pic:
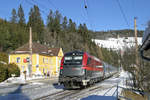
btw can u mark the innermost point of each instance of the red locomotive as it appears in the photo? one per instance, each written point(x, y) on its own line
point(80, 69)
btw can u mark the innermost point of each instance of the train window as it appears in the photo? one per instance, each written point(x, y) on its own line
point(78, 58)
point(88, 61)
point(68, 58)
point(73, 60)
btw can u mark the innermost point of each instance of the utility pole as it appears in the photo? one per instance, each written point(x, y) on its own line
point(136, 42)
point(136, 52)
point(30, 48)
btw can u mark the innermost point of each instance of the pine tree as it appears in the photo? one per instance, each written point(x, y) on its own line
point(57, 21)
point(71, 26)
point(64, 24)
point(14, 16)
point(21, 15)
point(50, 20)
point(37, 24)
point(80, 29)
point(85, 27)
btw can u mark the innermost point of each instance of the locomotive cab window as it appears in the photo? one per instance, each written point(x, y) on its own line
point(73, 60)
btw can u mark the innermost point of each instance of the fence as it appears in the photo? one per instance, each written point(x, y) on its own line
point(117, 95)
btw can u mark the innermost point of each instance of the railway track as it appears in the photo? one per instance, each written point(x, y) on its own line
point(58, 95)
point(88, 92)
point(76, 94)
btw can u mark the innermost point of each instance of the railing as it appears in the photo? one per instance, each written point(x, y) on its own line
point(117, 95)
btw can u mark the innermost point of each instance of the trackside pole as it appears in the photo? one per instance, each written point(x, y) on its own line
point(117, 92)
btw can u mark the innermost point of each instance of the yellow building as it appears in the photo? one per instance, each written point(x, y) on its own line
point(45, 61)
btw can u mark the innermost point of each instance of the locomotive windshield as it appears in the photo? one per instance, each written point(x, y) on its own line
point(73, 60)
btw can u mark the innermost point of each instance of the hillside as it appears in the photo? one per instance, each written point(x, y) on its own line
point(116, 33)
point(118, 43)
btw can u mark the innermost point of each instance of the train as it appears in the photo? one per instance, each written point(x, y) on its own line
point(79, 69)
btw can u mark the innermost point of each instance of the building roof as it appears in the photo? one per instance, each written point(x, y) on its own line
point(53, 51)
point(37, 48)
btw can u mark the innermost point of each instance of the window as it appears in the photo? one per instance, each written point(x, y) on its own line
point(68, 58)
point(45, 60)
point(18, 59)
point(73, 60)
point(78, 58)
point(88, 61)
point(50, 61)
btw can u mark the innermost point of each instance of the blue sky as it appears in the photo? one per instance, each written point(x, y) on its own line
point(100, 14)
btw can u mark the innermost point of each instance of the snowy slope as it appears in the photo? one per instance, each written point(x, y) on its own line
point(118, 43)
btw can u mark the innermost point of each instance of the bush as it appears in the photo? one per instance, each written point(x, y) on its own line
point(13, 69)
point(3, 72)
point(4, 57)
point(6, 71)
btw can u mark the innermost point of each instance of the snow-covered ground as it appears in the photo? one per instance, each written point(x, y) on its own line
point(118, 43)
point(18, 80)
point(38, 89)
point(19, 89)
point(110, 93)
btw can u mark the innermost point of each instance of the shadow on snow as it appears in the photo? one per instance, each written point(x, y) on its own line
point(15, 95)
point(96, 97)
point(57, 86)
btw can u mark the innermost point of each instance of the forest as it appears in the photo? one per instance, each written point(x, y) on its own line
point(115, 33)
point(59, 32)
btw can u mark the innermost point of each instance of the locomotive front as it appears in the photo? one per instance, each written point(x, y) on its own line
point(71, 70)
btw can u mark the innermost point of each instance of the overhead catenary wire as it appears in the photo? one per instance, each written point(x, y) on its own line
point(56, 8)
point(85, 4)
point(122, 12)
point(83, 14)
point(32, 4)
point(35, 1)
point(87, 13)
point(50, 2)
point(41, 6)
point(20, 1)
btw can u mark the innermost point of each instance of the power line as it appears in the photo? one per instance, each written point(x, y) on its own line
point(50, 2)
point(87, 13)
point(20, 1)
point(56, 8)
point(37, 3)
point(44, 7)
point(123, 14)
point(32, 4)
